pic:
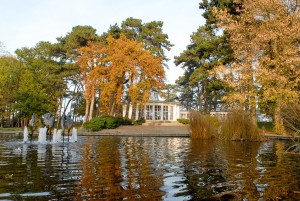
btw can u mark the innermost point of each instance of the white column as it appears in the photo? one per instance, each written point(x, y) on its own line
point(130, 111)
point(153, 112)
point(177, 113)
point(137, 112)
point(145, 112)
point(161, 111)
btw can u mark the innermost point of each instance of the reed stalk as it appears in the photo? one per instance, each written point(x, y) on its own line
point(238, 125)
point(202, 126)
point(290, 114)
point(291, 120)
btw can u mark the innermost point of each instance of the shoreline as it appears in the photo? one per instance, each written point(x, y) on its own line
point(150, 131)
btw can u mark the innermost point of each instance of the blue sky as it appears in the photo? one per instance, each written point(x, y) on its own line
point(26, 22)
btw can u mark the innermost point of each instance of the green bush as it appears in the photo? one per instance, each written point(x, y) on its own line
point(95, 124)
point(269, 126)
point(140, 121)
point(110, 122)
point(183, 121)
point(99, 123)
point(124, 121)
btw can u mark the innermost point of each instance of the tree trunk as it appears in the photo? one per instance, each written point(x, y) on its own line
point(133, 115)
point(253, 115)
point(59, 113)
point(127, 109)
point(92, 105)
point(87, 106)
point(13, 119)
point(112, 108)
point(2, 121)
point(200, 96)
point(118, 111)
point(205, 103)
point(24, 122)
point(8, 123)
point(279, 126)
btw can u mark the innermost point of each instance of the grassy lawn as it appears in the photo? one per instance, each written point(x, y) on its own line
point(10, 129)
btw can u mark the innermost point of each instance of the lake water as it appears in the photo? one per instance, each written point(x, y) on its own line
point(149, 168)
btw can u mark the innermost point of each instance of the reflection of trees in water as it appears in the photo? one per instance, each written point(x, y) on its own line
point(141, 179)
point(33, 170)
point(242, 170)
point(27, 175)
point(279, 174)
point(204, 169)
point(114, 169)
point(222, 170)
point(101, 174)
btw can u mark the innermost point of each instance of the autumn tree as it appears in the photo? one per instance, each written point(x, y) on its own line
point(93, 72)
point(150, 34)
point(66, 50)
point(118, 68)
point(265, 39)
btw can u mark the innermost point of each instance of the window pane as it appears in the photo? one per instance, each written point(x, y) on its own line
point(157, 110)
point(171, 112)
point(165, 113)
point(149, 112)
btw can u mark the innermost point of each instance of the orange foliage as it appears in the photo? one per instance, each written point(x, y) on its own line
point(265, 40)
point(118, 68)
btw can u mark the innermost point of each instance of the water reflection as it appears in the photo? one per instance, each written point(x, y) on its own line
point(101, 170)
point(116, 170)
point(279, 174)
point(136, 168)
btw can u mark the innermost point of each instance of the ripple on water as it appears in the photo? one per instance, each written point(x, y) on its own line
point(146, 168)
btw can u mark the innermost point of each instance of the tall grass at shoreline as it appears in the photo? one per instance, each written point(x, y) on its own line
point(291, 119)
point(238, 125)
point(201, 126)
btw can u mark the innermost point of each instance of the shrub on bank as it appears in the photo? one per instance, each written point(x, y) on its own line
point(99, 123)
point(140, 121)
point(124, 121)
point(183, 121)
point(94, 124)
point(268, 126)
point(110, 122)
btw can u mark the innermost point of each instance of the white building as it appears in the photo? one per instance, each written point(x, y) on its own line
point(157, 110)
